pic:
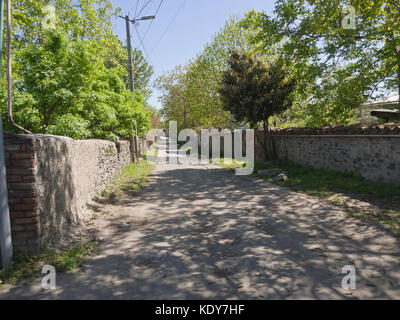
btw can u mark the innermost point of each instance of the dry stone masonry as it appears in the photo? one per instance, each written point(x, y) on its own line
point(371, 150)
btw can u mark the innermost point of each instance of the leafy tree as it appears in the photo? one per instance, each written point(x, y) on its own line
point(173, 96)
point(254, 91)
point(142, 73)
point(65, 80)
point(191, 91)
point(70, 126)
point(71, 80)
point(154, 118)
point(205, 73)
point(339, 67)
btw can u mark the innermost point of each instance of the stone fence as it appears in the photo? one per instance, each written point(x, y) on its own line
point(373, 151)
point(375, 157)
point(375, 154)
point(51, 183)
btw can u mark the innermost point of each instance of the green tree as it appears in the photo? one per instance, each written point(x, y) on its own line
point(254, 91)
point(191, 92)
point(142, 73)
point(66, 80)
point(339, 66)
point(173, 98)
point(205, 73)
point(71, 80)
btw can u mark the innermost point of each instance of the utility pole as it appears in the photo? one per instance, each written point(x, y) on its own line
point(134, 139)
point(5, 230)
point(129, 47)
point(128, 42)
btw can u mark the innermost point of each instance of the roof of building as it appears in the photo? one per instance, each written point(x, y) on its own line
point(392, 100)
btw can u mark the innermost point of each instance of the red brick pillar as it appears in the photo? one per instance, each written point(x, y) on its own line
point(22, 191)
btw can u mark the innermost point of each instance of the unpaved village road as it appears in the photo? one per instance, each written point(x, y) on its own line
point(200, 232)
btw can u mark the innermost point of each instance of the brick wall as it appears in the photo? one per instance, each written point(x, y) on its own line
point(22, 194)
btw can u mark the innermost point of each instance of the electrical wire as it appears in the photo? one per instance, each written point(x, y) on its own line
point(137, 5)
point(144, 7)
point(141, 42)
point(148, 28)
point(169, 25)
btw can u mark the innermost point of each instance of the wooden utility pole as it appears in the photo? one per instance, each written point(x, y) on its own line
point(129, 46)
point(128, 42)
point(134, 139)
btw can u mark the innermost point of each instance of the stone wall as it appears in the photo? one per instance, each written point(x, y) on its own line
point(52, 181)
point(373, 151)
point(375, 157)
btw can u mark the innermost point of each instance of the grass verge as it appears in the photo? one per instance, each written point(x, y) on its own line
point(228, 163)
point(325, 182)
point(25, 266)
point(133, 178)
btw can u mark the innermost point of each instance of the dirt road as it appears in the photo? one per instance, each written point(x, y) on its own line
point(200, 232)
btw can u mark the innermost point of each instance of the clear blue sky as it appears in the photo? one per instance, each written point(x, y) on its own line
point(195, 24)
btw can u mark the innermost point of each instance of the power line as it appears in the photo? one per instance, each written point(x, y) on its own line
point(144, 7)
point(148, 28)
point(137, 5)
point(141, 42)
point(169, 25)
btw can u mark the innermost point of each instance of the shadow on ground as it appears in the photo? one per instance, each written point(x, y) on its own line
point(200, 232)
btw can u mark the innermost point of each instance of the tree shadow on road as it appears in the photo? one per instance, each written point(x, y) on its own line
point(204, 233)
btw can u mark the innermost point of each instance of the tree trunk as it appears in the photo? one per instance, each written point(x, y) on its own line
point(269, 148)
point(398, 78)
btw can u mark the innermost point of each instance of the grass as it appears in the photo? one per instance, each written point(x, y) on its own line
point(325, 182)
point(25, 266)
point(152, 152)
point(332, 186)
point(132, 179)
point(229, 163)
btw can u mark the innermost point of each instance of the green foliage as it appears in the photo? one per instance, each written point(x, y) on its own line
point(253, 91)
point(173, 98)
point(337, 68)
point(70, 80)
point(70, 126)
point(142, 73)
point(26, 266)
point(192, 90)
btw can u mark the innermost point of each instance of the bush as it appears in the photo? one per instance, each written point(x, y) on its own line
point(71, 126)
